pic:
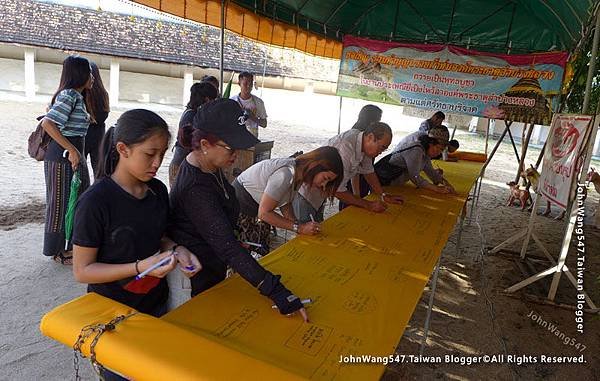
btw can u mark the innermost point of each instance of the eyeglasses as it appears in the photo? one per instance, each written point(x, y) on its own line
point(229, 149)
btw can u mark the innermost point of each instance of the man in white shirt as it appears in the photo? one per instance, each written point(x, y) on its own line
point(357, 150)
point(253, 105)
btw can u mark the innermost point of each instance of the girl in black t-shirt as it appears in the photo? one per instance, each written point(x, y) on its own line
point(120, 222)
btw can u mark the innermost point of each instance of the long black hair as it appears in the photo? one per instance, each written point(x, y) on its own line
point(210, 79)
point(367, 115)
point(200, 93)
point(75, 74)
point(98, 95)
point(133, 127)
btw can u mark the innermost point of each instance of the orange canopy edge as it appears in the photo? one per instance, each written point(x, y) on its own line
point(250, 25)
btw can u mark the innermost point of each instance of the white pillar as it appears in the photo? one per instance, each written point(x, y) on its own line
point(597, 149)
point(537, 134)
point(188, 81)
point(29, 73)
point(113, 94)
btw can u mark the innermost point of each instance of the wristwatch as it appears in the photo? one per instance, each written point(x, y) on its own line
point(295, 227)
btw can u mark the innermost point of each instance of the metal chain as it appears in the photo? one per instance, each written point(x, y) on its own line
point(93, 331)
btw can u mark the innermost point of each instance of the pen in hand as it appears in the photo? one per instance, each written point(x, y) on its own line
point(162, 262)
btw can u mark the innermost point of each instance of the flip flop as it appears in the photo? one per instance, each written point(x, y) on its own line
point(63, 260)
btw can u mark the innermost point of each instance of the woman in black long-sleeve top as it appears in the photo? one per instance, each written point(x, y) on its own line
point(98, 99)
point(200, 93)
point(204, 208)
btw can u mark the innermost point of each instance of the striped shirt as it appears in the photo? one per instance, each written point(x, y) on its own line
point(69, 113)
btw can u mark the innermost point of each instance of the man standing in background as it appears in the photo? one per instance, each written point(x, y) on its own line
point(253, 105)
point(435, 121)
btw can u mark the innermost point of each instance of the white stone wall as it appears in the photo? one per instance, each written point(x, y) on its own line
point(13, 75)
point(150, 88)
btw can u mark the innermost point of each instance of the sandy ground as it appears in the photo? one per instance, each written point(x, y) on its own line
point(471, 316)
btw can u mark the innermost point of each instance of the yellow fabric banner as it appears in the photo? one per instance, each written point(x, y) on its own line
point(365, 274)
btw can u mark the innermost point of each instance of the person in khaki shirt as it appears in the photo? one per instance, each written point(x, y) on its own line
point(357, 150)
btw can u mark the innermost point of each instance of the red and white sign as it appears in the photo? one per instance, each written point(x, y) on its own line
point(563, 148)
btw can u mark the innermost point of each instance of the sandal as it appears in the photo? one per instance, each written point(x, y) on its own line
point(63, 260)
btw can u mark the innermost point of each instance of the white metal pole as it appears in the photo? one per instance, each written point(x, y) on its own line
point(430, 307)
point(530, 226)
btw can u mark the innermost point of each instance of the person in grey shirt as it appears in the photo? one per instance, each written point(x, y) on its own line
point(357, 149)
point(435, 121)
point(411, 156)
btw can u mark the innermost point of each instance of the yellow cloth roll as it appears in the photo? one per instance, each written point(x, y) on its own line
point(365, 274)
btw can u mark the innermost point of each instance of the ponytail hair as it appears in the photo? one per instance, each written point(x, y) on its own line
point(133, 127)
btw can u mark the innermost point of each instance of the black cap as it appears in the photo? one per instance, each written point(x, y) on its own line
point(225, 119)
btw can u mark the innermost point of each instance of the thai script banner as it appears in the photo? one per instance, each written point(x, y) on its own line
point(564, 145)
point(521, 88)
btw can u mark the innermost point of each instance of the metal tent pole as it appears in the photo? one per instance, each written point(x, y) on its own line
point(487, 136)
point(514, 145)
point(524, 147)
point(430, 307)
point(340, 116)
point(262, 86)
point(222, 53)
point(592, 67)
point(487, 162)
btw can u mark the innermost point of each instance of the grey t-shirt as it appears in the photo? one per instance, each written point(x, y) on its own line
point(275, 177)
point(410, 155)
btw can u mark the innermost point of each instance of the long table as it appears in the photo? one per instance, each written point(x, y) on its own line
point(365, 274)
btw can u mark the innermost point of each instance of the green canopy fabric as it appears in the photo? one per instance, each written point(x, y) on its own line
point(515, 26)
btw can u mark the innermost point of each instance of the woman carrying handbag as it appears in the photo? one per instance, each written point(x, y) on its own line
point(66, 122)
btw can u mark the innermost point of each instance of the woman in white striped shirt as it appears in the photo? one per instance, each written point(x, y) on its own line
point(67, 122)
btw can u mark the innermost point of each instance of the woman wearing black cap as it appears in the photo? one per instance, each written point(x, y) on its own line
point(204, 208)
point(412, 155)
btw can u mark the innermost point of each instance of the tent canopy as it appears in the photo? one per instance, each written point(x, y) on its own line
point(317, 26)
